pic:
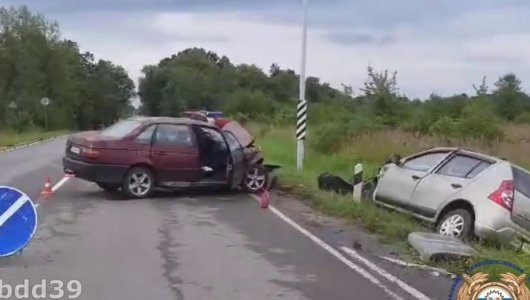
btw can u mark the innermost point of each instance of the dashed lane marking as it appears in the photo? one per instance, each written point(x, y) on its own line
point(360, 270)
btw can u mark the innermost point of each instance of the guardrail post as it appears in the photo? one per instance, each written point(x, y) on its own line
point(357, 182)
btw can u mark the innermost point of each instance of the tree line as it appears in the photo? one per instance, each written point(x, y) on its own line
point(36, 62)
point(199, 79)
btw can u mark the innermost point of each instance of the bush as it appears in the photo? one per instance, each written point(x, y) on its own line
point(523, 118)
point(250, 103)
point(479, 121)
point(21, 121)
point(327, 138)
point(445, 127)
point(360, 124)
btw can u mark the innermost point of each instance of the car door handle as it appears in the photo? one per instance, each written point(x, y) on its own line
point(415, 177)
point(456, 185)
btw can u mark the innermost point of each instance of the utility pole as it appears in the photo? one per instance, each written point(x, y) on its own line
point(301, 113)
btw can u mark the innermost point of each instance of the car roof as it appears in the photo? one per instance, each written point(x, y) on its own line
point(465, 151)
point(170, 120)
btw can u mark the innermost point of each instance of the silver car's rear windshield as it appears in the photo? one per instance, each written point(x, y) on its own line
point(120, 129)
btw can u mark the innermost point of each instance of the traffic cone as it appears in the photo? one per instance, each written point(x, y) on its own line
point(47, 191)
point(264, 198)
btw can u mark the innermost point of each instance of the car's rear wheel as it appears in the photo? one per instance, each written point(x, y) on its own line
point(138, 182)
point(256, 179)
point(456, 223)
point(110, 187)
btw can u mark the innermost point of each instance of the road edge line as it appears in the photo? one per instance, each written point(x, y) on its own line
point(28, 144)
point(403, 263)
point(409, 289)
point(360, 270)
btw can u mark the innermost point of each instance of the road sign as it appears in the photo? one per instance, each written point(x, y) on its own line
point(45, 101)
point(18, 220)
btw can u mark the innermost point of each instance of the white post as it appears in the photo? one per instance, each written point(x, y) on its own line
point(302, 106)
point(357, 183)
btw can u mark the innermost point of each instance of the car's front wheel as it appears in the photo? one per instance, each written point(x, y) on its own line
point(109, 187)
point(138, 182)
point(256, 179)
point(456, 223)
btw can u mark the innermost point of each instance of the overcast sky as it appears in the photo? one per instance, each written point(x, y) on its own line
point(441, 46)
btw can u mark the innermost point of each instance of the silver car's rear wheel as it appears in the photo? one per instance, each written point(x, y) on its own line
point(138, 183)
point(456, 223)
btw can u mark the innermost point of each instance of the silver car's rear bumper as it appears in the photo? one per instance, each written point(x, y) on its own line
point(508, 234)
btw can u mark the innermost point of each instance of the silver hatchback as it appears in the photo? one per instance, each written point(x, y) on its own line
point(463, 193)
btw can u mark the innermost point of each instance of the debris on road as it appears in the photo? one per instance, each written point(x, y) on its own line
point(264, 198)
point(435, 247)
point(330, 182)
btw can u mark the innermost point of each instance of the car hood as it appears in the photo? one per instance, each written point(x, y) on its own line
point(242, 135)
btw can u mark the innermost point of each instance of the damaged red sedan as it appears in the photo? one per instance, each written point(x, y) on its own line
point(140, 154)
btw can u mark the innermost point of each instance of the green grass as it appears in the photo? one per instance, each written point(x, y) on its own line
point(279, 147)
point(10, 139)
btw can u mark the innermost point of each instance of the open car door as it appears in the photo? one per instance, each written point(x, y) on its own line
point(237, 166)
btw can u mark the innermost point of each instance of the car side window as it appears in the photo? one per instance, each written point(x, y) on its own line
point(146, 137)
point(478, 169)
point(424, 162)
point(463, 166)
point(232, 141)
point(217, 137)
point(170, 135)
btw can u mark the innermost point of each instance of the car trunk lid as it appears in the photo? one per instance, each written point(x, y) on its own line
point(90, 145)
point(93, 139)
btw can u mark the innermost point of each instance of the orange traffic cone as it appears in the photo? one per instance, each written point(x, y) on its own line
point(47, 191)
point(264, 198)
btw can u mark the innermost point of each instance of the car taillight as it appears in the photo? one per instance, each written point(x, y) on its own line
point(504, 195)
point(91, 153)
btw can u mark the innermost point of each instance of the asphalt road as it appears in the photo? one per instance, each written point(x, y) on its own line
point(185, 245)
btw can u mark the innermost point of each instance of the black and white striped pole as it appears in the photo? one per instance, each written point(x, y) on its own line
point(358, 182)
point(301, 113)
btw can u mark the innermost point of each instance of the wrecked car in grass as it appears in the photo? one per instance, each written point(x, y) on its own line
point(141, 153)
point(464, 193)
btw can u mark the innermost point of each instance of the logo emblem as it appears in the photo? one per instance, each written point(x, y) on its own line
point(477, 287)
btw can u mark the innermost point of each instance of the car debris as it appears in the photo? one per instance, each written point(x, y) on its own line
point(464, 194)
point(435, 247)
point(140, 154)
point(330, 182)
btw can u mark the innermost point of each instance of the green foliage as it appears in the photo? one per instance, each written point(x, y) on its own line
point(326, 138)
point(254, 104)
point(523, 118)
point(444, 126)
point(479, 121)
point(35, 62)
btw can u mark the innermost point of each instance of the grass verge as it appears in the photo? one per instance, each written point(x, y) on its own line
point(10, 139)
point(279, 147)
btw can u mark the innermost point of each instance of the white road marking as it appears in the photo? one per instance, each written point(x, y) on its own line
point(406, 264)
point(31, 144)
point(361, 271)
point(59, 184)
point(412, 291)
point(13, 209)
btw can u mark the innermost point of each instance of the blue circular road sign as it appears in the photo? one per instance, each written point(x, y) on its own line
point(18, 220)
